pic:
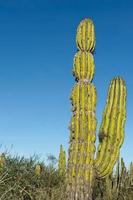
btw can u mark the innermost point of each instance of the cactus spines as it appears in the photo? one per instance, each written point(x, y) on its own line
point(111, 132)
point(82, 167)
point(62, 162)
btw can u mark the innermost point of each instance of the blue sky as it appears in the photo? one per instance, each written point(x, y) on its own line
point(37, 46)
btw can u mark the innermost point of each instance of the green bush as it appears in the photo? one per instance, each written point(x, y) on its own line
point(18, 181)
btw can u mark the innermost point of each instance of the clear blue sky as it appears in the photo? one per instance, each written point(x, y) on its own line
point(37, 46)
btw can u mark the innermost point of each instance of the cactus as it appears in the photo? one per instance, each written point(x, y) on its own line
point(62, 162)
point(2, 161)
point(112, 187)
point(82, 167)
point(131, 173)
point(38, 170)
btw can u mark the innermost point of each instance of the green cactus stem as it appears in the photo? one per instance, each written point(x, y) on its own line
point(62, 162)
point(111, 134)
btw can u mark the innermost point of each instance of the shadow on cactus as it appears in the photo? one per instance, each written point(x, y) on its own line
point(83, 168)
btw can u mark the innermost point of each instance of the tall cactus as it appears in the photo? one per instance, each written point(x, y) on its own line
point(82, 167)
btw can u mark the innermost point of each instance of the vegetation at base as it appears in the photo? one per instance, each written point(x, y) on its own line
point(19, 181)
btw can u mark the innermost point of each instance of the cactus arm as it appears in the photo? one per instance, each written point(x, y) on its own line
point(103, 135)
point(112, 128)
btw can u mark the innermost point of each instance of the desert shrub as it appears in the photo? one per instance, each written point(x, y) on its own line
point(18, 181)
